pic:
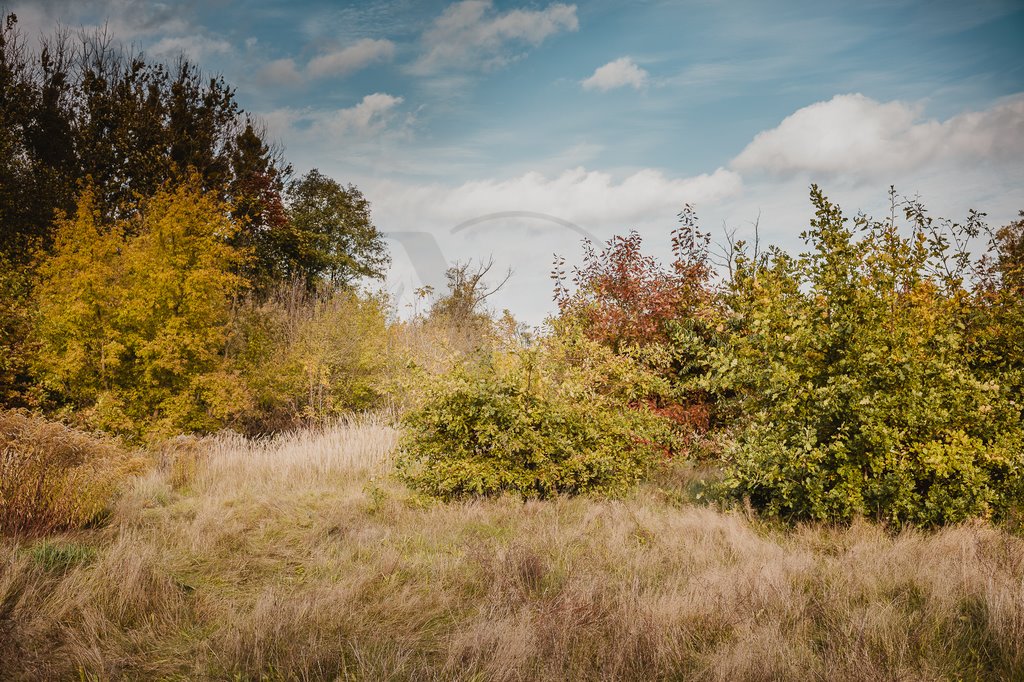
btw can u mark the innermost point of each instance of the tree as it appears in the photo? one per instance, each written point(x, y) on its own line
point(625, 298)
point(331, 237)
point(868, 385)
point(467, 292)
point(134, 315)
point(78, 298)
point(95, 111)
point(255, 191)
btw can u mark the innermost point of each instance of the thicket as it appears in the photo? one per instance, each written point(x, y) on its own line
point(536, 422)
point(149, 238)
point(868, 367)
point(877, 374)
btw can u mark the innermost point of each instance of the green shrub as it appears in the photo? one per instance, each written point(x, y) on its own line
point(866, 396)
point(535, 423)
point(53, 477)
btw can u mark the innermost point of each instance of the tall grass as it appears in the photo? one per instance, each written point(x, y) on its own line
point(299, 558)
point(53, 477)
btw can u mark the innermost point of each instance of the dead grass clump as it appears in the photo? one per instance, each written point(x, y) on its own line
point(53, 477)
point(181, 457)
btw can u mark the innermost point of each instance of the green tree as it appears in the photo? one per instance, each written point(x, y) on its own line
point(331, 236)
point(91, 109)
point(860, 370)
point(256, 190)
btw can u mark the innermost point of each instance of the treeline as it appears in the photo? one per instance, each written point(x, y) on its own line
point(154, 245)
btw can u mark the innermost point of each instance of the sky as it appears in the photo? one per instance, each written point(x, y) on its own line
point(483, 129)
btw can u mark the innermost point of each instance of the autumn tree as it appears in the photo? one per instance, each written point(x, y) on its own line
point(133, 314)
point(255, 190)
point(625, 297)
point(664, 316)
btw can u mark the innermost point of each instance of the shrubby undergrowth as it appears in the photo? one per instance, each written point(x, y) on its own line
point(878, 374)
point(536, 422)
point(55, 478)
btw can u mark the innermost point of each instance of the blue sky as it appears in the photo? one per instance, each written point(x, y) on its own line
point(610, 115)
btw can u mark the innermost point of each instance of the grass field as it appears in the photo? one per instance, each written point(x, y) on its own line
point(299, 558)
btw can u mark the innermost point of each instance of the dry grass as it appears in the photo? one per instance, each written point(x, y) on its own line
point(298, 558)
point(53, 477)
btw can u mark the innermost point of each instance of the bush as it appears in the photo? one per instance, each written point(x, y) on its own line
point(532, 424)
point(309, 357)
point(867, 398)
point(53, 477)
point(665, 317)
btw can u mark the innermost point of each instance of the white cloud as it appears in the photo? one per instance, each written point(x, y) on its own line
point(280, 72)
point(349, 59)
point(471, 35)
point(616, 74)
point(195, 47)
point(284, 72)
point(327, 128)
point(592, 199)
point(371, 115)
point(125, 19)
point(857, 136)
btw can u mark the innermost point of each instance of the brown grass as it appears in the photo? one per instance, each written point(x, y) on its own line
point(298, 558)
point(53, 477)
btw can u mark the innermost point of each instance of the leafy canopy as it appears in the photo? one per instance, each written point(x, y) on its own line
point(858, 363)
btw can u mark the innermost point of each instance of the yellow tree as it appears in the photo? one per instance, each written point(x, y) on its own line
point(133, 329)
point(180, 284)
point(78, 297)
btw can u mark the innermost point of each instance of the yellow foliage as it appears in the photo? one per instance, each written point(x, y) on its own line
point(133, 316)
point(307, 359)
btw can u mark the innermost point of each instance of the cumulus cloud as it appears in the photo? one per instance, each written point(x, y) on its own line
point(370, 115)
point(616, 74)
point(854, 135)
point(523, 220)
point(471, 34)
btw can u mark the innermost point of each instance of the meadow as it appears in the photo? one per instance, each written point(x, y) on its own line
point(227, 453)
point(301, 557)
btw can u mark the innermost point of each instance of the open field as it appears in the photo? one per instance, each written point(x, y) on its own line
point(299, 558)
